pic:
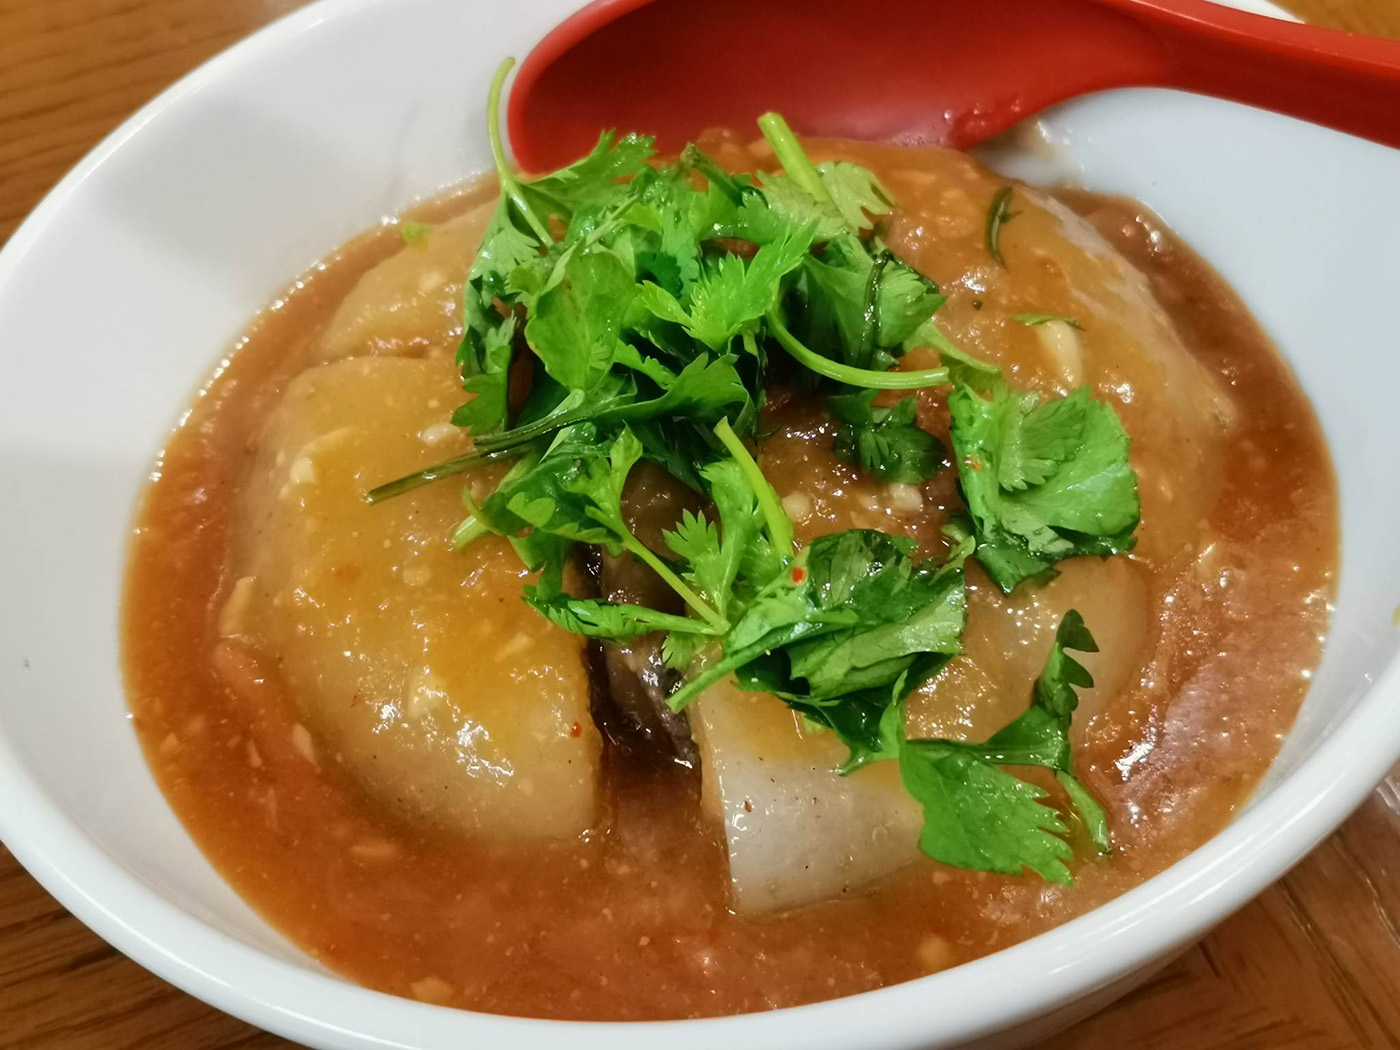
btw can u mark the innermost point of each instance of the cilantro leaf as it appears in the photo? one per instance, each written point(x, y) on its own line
point(577, 318)
point(731, 293)
point(488, 342)
point(1047, 435)
point(1041, 735)
point(695, 539)
point(610, 161)
point(885, 443)
point(680, 648)
point(852, 627)
point(907, 299)
point(855, 192)
point(486, 378)
point(836, 197)
point(718, 556)
point(703, 391)
point(1043, 482)
point(614, 621)
point(981, 817)
point(930, 617)
point(865, 306)
point(679, 446)
point(786, 206)
point(574, 491)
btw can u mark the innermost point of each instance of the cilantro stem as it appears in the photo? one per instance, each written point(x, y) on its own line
point(779, 525)
point(870, 314)
point(998, 214)
point(472, 527)
point(792, 156)
point(933, 335)
point(468, 532)
point(510, 185)
point(508, 439)
point(695, 158)
point(863, 377)
point(446, 469)
point(640, 550)
point(682, 697)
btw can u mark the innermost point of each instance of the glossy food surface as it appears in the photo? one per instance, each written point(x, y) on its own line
point(1208, 632)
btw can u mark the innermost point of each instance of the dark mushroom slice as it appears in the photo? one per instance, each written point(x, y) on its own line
point(635, 675)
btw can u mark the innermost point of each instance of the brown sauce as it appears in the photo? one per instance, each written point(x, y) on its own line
point(630, 921)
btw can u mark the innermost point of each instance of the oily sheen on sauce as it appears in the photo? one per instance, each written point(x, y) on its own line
point(1208, 630)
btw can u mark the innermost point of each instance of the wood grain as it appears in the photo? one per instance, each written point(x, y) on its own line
point(1313, 964)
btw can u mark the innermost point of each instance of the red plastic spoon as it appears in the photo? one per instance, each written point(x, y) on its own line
point(922, 71)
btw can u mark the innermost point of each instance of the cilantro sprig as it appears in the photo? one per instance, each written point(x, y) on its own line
point(976, 814)
point(625, 308)
point(885, 443)
point(1043, 480)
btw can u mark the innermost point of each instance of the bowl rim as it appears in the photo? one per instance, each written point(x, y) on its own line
point(987, 995)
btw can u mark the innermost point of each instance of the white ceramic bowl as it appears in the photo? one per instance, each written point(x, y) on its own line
point(129, 281)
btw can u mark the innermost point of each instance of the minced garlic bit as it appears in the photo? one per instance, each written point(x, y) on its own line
point(438, 433)
point(233, 616)
point(935, 954)
point(432, 990)
point(303, 469)
point(425, 694)
point(518, 643)
point(798, 505)
point(416, 575)
point(905, 499)
point(301, 740)
point(1061, 343)
point(302, 472)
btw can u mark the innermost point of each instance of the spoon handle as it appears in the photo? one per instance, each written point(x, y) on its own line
point(1342, 80)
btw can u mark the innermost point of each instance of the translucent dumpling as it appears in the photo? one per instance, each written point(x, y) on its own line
point(416, 666)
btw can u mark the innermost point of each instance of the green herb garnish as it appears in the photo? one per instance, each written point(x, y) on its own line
point(851, 627)
point(885, 443)
point(998, 215)
point(415, 232)
point(977, 815)
point(642, 301)
point(1043, 481)
point(1031, 320)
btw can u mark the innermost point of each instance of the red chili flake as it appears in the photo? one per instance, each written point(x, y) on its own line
point(798, 574)
point(974, 463)
point(576, 730)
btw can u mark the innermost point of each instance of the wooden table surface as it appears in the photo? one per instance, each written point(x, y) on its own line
point(1313, 964)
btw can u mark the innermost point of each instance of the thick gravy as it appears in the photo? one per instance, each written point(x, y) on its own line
point(1209, 632)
